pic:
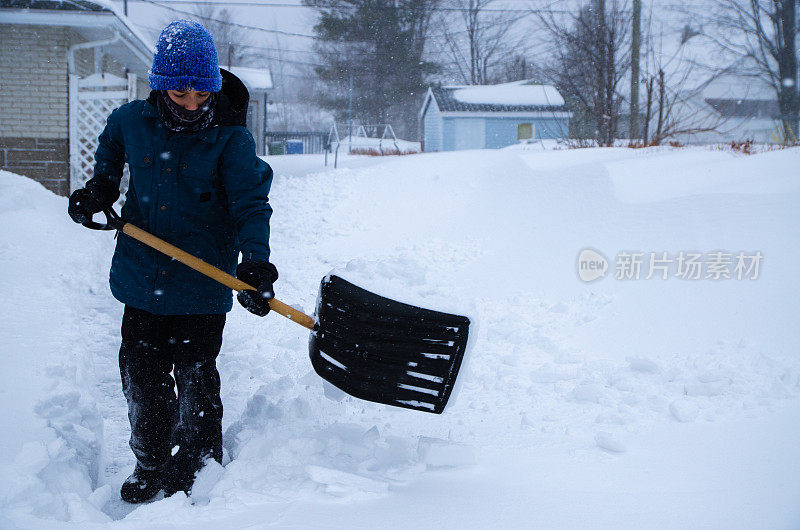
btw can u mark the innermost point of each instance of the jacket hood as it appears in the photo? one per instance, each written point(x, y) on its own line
point(232, 101)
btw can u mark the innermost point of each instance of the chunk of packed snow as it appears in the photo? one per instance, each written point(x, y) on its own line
point(609, 442)
point(684, 410)
point(441, 453)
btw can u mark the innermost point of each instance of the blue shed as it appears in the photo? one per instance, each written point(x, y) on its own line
point(492, 116)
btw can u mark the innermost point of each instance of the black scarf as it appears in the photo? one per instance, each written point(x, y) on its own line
point(178, 119)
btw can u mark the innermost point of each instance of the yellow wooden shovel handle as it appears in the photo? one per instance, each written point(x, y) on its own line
point(213, 272)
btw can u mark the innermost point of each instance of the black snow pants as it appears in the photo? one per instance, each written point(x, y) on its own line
point(169, 433)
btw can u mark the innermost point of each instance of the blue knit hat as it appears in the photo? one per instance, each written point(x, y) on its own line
point(185, 57)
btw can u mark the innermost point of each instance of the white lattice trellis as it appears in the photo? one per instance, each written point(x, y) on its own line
point(91, 100)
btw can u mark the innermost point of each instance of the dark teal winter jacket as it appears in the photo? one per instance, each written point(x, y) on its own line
point(205, 193)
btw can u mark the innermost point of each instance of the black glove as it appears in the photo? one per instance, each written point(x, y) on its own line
point(100, 193)
point(261, 275)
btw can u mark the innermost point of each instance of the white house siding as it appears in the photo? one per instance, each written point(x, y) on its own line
point(432, 125)
point(463, 133)
point(33, 76)
point(737, 129)
point(34, 136)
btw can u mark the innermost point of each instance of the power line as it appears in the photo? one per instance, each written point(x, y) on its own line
point(159, 3)
point(244, 26)
point(281, 50)
point(271, 58)
point(278, 50)
point(224, 3)
point(245, 3)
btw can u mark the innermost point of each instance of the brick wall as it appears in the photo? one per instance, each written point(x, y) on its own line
point(45, 160)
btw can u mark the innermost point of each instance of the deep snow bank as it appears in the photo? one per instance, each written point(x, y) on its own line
point(579, 375)
point(52, 431)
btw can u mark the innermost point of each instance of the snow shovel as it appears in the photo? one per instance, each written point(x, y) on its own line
point(371, 347)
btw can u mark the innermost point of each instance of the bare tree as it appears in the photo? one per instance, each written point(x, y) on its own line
point(590, 60)
point(517, 67)
point(674, 106)
point(476, 40)
point(761, 34)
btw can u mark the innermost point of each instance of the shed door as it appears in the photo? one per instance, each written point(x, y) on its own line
point(469, 133)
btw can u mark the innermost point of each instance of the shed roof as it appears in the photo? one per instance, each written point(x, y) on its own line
point(256, 79)
point(520, 96)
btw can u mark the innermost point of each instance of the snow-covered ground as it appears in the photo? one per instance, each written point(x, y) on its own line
point(617, 403)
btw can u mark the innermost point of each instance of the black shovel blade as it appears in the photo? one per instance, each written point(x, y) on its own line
point(385, 351)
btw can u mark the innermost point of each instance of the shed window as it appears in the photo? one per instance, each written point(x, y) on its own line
point(524, 131)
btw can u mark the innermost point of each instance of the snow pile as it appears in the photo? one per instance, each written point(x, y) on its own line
point(516, 93)
point(283, 437)
point(57, 432)
point(659, 389)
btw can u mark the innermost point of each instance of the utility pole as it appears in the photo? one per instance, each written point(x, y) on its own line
point(350, 117)
point(230, 53)
point(602, 111)
point(636, 44)
point(125, 7)
point(789, 99)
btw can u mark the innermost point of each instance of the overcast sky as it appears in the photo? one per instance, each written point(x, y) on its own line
point(294, 18)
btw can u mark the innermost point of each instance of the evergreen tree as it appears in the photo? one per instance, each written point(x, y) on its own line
point(377, 48)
